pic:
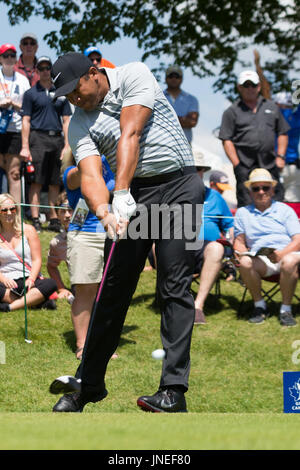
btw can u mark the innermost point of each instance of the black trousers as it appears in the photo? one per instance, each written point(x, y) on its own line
point(175, 267)
point(242, 193)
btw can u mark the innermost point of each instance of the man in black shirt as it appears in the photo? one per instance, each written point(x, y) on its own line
point(42, 140)
point(249, 130)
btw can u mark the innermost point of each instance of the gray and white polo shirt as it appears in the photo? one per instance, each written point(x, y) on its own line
point(163, 145)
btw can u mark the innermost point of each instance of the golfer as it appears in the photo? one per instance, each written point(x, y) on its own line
point(123, 114)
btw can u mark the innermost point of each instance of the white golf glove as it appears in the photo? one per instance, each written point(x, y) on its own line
point(123, 204)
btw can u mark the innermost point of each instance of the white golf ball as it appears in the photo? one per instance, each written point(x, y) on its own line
point(158, 354)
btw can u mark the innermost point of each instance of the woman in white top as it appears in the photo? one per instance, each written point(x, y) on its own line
point(12, 88)
point(11, 264)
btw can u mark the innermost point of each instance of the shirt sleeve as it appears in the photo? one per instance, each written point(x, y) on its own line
point(227, 129)
point(138, 86)
point(80, 141)
point(282, 126)
point(238, 222)
point(194, 105)
point(26, 104)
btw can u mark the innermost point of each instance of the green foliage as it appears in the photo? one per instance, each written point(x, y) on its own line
point(206, 35)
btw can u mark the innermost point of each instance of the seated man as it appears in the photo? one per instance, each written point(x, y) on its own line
point(217, 220)
point(272, 224)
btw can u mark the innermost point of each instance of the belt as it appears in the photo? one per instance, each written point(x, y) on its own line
point(51, 133)
point(165, 177)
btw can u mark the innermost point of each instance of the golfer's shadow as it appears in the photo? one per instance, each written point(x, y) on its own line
point(70, 337)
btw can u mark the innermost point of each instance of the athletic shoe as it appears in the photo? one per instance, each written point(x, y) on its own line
point(199, 317)
point(37, 225)
point(169, 400)
point(54, 225)
point(259, 315)
point(75, 402)
point(287, 319)
point(65, 384)
point(4, 307)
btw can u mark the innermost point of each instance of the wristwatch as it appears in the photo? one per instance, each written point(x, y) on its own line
point(280, 156)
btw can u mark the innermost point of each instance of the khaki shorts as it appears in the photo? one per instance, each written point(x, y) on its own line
point(85, 256)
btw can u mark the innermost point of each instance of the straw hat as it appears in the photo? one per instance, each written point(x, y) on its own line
point(260, 175)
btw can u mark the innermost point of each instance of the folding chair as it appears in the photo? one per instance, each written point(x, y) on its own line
point(267, 294)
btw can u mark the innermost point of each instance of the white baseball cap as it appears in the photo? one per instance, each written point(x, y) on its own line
point(248, 75)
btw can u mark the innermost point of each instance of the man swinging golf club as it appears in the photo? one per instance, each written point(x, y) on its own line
point(123, 114)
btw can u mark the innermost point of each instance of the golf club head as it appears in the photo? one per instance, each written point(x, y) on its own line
point(65, 384)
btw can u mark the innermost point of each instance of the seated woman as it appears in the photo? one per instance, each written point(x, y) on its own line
point(11, 265)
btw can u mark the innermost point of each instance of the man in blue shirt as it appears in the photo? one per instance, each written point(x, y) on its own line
point(217, 221)
point(271, 224)
point(186, 106)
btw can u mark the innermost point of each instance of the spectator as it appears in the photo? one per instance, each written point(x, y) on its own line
point(217, 221)
point(94, 54)
point(291, 171)
point(219, 181)
point(27, 63)
point(249, 129)
point(11, 261)
point(272, 224)
point(85, 251)
point(58, 246)
point(12, 88)
point(43, 142)
point(185, 105)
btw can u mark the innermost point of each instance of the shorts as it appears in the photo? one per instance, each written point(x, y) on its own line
point(272, 268)
point(10, 143)
point(45, 151)
point(45, 286)
point(85, 256)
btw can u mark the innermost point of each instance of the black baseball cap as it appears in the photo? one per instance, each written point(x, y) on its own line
point(67, 71)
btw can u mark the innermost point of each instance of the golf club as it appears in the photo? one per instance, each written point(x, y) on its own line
point(68, 383)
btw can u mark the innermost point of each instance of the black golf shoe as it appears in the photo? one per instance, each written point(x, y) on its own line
point(169, 400)
point(75, 402)
point(65, 384)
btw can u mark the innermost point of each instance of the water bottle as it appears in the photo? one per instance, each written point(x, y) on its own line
point(29, 172)
point(5, 118)
point(71, 299)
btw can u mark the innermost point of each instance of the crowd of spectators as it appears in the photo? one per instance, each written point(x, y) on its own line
point(260, 136)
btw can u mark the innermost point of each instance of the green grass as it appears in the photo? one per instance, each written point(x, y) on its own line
point(235, 398)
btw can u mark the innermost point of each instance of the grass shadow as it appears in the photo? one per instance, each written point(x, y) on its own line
point(70, 338)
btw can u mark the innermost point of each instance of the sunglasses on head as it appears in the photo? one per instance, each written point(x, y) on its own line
point(6, 209)
point(265, 189)
point(249, 85)
point(173, 75)
point(9, 54)
point(46, 67)
point(29, 43)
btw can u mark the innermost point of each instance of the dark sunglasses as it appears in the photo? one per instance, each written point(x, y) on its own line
point(265, 189)
point(29, 43)
point(174, 75)
point(97, 59)
point(46, 67)
point(249, 85)
point(10, 54)
point(6, 209)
